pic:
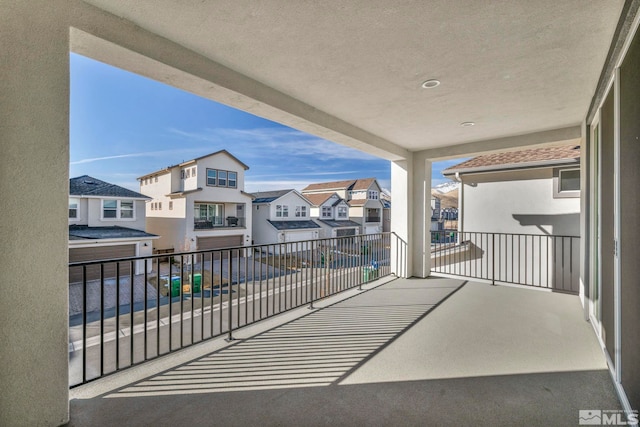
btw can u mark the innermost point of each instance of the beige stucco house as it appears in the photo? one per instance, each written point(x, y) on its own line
point(106, 221)
point(282, 216)
point(362, 197)
point(198, 204)
point(535, 191)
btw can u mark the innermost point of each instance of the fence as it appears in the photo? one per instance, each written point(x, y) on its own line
point(543, 261)
point(120, 319)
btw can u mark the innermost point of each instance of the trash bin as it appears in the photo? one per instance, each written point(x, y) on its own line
point(175, 284)
point(196, 282)
point(369, 273)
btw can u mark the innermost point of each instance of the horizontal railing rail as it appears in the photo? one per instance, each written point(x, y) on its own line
point(543, 261)
point(123, 312)
point(219, 223)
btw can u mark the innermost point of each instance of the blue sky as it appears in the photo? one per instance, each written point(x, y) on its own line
point(124, 126)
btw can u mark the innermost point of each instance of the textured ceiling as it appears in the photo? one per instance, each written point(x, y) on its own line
point(512, 67)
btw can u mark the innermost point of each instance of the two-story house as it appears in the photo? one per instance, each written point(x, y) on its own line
point(332, 213)
point(282, 216)
point(106, 221)
point(199, 204)
point(362, 196)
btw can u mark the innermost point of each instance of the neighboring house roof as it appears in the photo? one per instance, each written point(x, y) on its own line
point(386, 204)
point(536, 157)
point(183, 193)
point(194, 160)
point(350, 184)
point(318, 198)
point(357, 202)
point(334, 185)
point(343, 223)
point(84, 232)
point(363, 184)
point(86, 185)
point(293, 225)
point(269, 196)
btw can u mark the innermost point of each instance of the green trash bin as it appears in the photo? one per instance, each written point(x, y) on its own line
point(196, 282)
point(175, 285)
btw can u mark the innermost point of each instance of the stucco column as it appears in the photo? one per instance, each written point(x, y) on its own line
point(411, 213)
point(34, 182)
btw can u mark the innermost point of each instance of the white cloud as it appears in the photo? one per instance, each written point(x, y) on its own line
point(161, 153)
point(276, 142)
point(255, 186)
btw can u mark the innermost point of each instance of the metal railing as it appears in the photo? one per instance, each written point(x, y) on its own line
point(544, 261)
point(372, 219)
point(126, 311)
point(220, 223)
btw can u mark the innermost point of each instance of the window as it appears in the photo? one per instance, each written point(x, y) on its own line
point(193, 171)
point(326, 212)
point(170, 206)
point(233, 179)
point(212, 177)
point(188, 173)
point(570, 180)
point(209, 212)
point(73, 208)
point(282, 211)
point(342, 211)
point(160, 205)
point(153, 206)
point(182, 174)
point(118, 209)
point(566, 183)
point(156, 179)
point(222, 178)
point(301, 211)
point(373, 195)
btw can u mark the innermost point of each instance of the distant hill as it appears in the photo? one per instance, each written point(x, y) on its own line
point(447, 200)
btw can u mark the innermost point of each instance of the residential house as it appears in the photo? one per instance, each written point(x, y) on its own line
point(436, 214)
point(198, 204)
point(106, 221)
point(331, 212)
point(282, 216)
point(362, 197)
point(534, 191)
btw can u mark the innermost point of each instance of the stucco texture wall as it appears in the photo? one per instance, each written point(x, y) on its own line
point(518, 202)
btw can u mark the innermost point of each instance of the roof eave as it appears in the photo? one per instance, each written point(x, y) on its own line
point(512, 166)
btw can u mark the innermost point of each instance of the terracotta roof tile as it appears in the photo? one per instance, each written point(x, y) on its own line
point(317, 199)
point(517, 158)
point(334, 185)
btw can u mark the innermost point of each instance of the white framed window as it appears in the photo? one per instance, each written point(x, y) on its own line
point(222, 178)
point(342, 211)
point(160, 205)
point(326, 212)
point(212, 177)
point(187, 173)
point(182, 174)
point(301, 211)
point(170, 205)
point(233, 180)
point(193, 171)
point(282, 211)
point(566, 183)
point(118, 209)
point(74, 208)
point(373, 195)
point(156, 178)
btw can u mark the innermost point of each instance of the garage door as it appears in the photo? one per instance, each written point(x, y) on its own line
point(218, 242)
point(298, 236)
point(102, 252)
point(346, 232)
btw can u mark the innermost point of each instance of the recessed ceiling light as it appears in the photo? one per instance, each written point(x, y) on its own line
point(467, 124)
point(430, 84)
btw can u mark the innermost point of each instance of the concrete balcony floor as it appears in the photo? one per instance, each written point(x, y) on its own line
point(405, 352)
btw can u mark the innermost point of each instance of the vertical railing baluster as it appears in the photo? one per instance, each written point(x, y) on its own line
point(131, 313)
point(117, 335)
point(146, 296)
point(84, 324)
point(102, 319)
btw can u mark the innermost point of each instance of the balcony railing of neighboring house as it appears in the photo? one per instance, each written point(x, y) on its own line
point(372, 219)
point(542, 261)
point(228, 222)
point(126, 311)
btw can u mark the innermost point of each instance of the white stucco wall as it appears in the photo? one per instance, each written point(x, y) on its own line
point(262, 231)
point(95, 213)
point(518, 202)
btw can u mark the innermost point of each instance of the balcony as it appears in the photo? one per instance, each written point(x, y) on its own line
point(228, 222)
point(329, 323)
point(372, 219)
point(399, 352)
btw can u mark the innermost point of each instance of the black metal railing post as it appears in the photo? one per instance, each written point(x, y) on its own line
point(229, 299)
point(493, 259)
